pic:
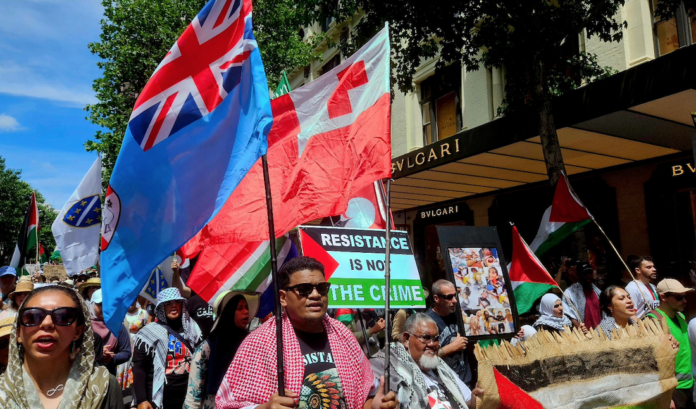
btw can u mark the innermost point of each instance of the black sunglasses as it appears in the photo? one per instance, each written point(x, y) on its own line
point(678, 297)
point(306, 289)
point(447, 297)
point(63, 316)
point(4, 343)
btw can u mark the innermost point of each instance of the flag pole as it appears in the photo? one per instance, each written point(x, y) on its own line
point(274, 274)
point(362, 325)
point(387, 283)
point(36, 205)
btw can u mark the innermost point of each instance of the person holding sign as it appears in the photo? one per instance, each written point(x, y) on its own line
point(452, 345)
point(322, 357)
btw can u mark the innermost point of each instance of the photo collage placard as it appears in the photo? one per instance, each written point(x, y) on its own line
point(482, 291)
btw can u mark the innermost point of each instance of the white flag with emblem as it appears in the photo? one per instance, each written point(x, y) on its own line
point(76, 228)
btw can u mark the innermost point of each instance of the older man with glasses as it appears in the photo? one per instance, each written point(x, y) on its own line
point(421, 379)
point(452, 344)
point(672, 305)
point(323, 361)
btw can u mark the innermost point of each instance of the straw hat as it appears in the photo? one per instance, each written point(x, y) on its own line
point(92, 282)
point(6, 326)
point(251, 298)
point(22, 287)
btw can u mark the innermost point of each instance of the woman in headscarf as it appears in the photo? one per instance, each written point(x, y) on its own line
point(51, 359)
point(552, 318)
point(115, 349)
point(213, 357)
point(618, 306)
point(163, 350)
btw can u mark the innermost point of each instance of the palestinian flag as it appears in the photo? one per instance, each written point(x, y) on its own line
point(566, 215)
point(529, 278)
point(27, 239)
point(345, 315)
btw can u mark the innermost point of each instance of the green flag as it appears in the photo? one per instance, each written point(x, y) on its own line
point(283, 86)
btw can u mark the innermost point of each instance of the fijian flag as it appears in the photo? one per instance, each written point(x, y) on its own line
point(196, 129)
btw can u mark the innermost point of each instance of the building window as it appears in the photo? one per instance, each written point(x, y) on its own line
point(331, 64)
point(440, 104)
point(679, 31)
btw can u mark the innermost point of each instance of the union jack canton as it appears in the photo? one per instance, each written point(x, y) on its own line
point(200, 70)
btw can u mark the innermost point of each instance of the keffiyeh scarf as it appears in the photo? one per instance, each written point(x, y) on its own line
point(608, 324)
point(85, 388)
point(155, 337)
point(253, 375)
point(409, 382)
point(547, 318)
point(576, 294)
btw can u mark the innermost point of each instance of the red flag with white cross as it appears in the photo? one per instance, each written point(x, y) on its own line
point(330, 138)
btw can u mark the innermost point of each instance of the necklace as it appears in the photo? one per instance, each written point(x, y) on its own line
point(53, 391)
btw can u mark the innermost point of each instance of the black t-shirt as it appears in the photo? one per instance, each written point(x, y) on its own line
point(202, 313)
point(449, 328)
point(321, 380)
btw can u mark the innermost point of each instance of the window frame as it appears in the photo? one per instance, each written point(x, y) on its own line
point(685, 36)
point(441, 84)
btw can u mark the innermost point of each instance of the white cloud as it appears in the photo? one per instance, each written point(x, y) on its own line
point(8, 124)
point(25, 82)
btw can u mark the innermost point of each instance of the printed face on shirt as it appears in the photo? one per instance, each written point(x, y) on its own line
point(306, 311)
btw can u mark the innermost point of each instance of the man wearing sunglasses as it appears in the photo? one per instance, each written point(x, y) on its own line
point(672, 305)
point(323, 360)
point(452, 344)
point(418, 372)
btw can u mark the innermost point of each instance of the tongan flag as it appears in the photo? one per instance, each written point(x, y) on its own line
point(330, 139)
point(197, 128)
point(529, 278)
point(76, 228)
point(565, 215)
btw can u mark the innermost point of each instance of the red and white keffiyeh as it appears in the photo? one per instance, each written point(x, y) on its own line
point(253, 375)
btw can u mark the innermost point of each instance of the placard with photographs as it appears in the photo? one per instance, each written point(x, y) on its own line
point(481, 290)
point(480, 276)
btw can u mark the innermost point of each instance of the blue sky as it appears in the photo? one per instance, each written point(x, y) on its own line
point(46, 74)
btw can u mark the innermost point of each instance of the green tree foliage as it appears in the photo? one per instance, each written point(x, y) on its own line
point(16, 196)
point(531, 39)
point(137, 34)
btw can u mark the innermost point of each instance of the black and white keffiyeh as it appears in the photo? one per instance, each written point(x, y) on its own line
point(547, 318)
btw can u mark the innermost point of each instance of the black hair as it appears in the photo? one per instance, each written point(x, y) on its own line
point(65, 290)
point(636, 262)
point(295, 265)
point(605, 298)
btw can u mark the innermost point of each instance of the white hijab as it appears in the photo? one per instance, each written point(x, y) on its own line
point(547, 318)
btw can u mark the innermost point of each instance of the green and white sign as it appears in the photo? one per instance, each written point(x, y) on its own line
point(354, 264)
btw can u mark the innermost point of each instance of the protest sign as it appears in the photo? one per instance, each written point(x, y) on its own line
point(57, 270)
point(476, 266)
point(354, 264)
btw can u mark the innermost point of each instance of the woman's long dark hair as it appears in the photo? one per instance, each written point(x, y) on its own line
point(224, 341)
point(605, 298)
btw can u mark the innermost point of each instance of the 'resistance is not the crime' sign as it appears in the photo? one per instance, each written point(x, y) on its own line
point(354, 264)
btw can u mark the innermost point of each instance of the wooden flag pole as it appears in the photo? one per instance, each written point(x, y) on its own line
point(387, 283)
point(274, 274)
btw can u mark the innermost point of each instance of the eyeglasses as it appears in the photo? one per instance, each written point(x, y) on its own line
point(63, 316)
point(4, 343)
point(427, 339)
point(81, 279)
point(306, 289)
point(447, 297)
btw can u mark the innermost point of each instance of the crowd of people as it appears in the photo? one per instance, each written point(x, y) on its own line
point(180, 352)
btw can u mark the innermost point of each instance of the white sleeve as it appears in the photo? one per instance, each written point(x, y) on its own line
point(466, 392)
point(567, 309)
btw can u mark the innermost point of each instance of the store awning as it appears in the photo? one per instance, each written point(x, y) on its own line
point(636, 115)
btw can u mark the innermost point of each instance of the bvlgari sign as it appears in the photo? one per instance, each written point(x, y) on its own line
point(425, 158)
point(439, 211)
point(685, 169)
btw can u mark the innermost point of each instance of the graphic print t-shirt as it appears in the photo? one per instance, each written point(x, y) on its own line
point(438, 396)
point(321, 388)
point(178, 365)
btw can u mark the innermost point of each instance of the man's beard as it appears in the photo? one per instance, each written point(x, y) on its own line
point(428, 362)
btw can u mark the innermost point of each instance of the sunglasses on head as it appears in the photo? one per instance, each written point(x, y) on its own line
point(306, 289)
point(447, 297)
point(63, 316)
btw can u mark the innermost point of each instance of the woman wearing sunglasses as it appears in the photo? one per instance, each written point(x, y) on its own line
point(162, 354)
point(51, 358)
